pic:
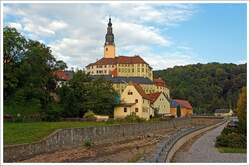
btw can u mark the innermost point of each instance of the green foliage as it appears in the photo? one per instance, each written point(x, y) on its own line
point(90, 115)
point(234, 140)
point(82, 94)
point(53, 114)
point(242, 110)
point(14, 50)
point(28, 72)
point(178, 111)
point(87, 142)
point(133, 118)
point(206, 86)
point(231, 150)
point(23, 112)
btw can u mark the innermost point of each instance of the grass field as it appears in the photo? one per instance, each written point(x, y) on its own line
point(231, 150)
point(18, 133)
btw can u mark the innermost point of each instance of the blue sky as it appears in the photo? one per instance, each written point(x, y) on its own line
point(165, 35)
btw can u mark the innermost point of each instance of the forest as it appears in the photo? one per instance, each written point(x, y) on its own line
point(206, 86)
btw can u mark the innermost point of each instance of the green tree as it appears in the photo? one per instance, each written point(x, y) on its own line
point(28, 71)
point(82, 94)
point(178, 110)
point(206, 86)
point(242, 110)
point(14, 49)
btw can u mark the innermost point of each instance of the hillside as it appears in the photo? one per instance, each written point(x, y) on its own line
point(206, 86)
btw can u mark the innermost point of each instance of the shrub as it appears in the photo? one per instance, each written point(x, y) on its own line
point(53, 114)
point(133, 118)
point(89, 115)
point(234, 140)
point(87, 142)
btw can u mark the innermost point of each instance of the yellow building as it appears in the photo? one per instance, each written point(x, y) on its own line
point(160, 103)
point(134, 100)
point(122, 70)
point(186, 108)
point(223, 112)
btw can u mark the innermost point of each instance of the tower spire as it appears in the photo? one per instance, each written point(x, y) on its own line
point(109, 45)
point(109, 38)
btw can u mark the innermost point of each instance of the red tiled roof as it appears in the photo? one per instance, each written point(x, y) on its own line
point(141, 91)
point(114, 73)
point(119, 60)
point(154, 96)
point(184, 103)
point(159, 82)
point(61, 75)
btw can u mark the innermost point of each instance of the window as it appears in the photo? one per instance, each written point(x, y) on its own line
point(106, 49)
point(125, 109)
point(130, 93)
point(136, 109)
point(133, 70)
point(136, 100)
point(104, 66)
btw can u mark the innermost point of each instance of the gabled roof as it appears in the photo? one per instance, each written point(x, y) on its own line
point(154, 96)
point(138, 80)
point(159, 82)
point(119, 60)
point(182, 103)
point(141, 91)
point(61, 75)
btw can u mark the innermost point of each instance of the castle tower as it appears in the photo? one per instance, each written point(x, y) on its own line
point(109, 46)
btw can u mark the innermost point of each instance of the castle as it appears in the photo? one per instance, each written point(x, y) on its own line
point(133, 79)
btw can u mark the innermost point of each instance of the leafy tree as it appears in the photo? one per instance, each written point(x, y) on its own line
point(28, 71)
point(14, 49)
point(82, 94)
point(178, 110)
point(206, 86)
point(241, 110)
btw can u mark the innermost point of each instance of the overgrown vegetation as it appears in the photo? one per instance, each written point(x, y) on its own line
point(231, 138)
point(206, 86)
point(89, 115)
point(231, 150)
point(29, 83)
point(87, 142)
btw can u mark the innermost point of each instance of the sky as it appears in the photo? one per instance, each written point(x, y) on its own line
point(164, 35)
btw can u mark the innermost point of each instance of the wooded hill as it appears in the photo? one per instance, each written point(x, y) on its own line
point(206, 86)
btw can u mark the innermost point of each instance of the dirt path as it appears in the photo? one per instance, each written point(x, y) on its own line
point(201, 149)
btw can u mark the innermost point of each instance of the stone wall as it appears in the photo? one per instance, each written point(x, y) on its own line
point(73, 137)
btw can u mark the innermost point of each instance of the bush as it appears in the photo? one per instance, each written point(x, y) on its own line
point(234, 140)
point(228, 130)
point(89, 115)
point(53, 114)
point(88, 142)
point(134, 118)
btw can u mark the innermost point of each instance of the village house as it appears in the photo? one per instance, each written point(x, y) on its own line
point(186, 108)
point(160, 103)
point(134, 100)
point(223, 112)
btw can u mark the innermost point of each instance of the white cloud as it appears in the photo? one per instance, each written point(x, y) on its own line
point(56, 25)
point(18, 26)
point(75, 32)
